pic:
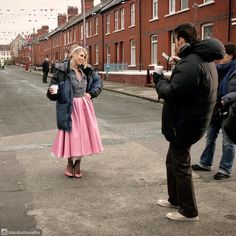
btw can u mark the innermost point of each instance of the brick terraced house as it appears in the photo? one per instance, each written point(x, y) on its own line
point(125, 39)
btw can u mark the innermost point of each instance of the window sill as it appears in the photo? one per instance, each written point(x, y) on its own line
point(205, 4)
point(107, 34)
point(131, 66)
point(177, 12)
point(116, 31)
point(131, 26)
point(153, 19)
point(152, 65)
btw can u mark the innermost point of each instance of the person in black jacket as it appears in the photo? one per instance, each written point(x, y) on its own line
point(45, 66)
point(225, 96)
point(73, 85)
point(189, 98)
point(230, 123)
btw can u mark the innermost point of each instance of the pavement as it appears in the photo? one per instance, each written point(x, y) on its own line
point(117, 196)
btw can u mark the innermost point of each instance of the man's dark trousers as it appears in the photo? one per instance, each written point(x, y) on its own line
point(179, 180)
point(45, 75)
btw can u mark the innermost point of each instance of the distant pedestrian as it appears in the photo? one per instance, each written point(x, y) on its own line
point(45, 66)
point(52, 69)
point(189, 98)
point(226, 95)
point(2, 63)
point(78, 133)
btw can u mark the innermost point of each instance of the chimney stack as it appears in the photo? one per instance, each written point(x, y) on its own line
point(71, 12)
point(88, 5)
point(43, 30)
point(61, 19)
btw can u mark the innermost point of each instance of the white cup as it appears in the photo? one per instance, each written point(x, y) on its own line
point(158, 69)
point(55, 88)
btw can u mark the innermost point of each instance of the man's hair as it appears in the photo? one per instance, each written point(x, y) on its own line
point(186, 31)
point(230, 49)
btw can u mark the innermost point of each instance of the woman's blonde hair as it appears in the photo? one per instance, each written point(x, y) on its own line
point(75, 49)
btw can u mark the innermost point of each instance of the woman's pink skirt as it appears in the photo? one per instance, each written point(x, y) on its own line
point(84, 138)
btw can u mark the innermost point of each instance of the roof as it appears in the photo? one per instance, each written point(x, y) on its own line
point(5, 47)
point(112, 4)
point(80, 17)
point(76, 19)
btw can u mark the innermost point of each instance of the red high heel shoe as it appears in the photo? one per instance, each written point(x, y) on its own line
point(77, 173)
point(69, 171)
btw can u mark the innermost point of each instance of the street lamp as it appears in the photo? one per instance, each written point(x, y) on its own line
point(84, 23)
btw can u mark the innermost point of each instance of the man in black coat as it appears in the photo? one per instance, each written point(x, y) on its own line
point(45, 66)
point(189, 98)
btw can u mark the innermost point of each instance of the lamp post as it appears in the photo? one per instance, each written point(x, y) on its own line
point(84, 24)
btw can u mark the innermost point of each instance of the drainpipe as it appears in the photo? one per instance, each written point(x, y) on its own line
point(140, 36)
point(84, 25)
point(229, 20)
point(102, 42)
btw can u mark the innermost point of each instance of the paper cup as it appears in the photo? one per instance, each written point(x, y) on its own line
point(158, 69)
point(55, 88)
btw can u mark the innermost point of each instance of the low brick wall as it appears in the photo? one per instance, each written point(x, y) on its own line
point(139, 79)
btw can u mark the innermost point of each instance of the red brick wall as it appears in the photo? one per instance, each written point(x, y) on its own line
point(139, 80)
point(216, 13)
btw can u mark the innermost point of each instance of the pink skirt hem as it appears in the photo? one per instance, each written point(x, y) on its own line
point(84, 138)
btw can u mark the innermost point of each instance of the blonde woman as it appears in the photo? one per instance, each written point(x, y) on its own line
point(73, 85)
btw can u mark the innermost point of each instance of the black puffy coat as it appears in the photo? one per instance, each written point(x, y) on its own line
point(65, 93)
point(190, 94)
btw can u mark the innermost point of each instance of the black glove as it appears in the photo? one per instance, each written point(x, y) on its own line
point(157, 77)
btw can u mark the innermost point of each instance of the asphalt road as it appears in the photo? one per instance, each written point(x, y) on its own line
point(120, 187)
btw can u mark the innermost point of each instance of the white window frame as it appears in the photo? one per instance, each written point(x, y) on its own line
point(132, 14)
point(208, 1)
point(184, 2)
point(90, 28)
point(154, 48)
point(87, 29)
point(116, 18)
point(155, 9)
point(172, 6)
point(172, 43)
point(81, 32)
point(122, 18)
point(132, 52)
point(108, 24)
point(96, 26)
point(203, 29)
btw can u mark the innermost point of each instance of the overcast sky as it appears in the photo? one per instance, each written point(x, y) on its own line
point(22, 16)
